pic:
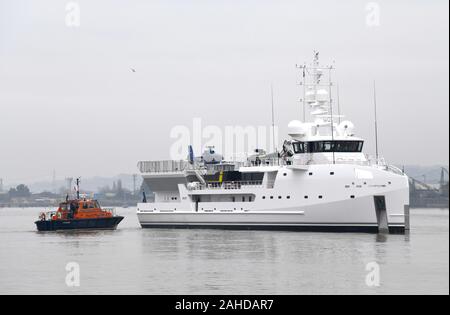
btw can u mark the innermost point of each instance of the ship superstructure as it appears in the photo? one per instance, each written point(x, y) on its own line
point(320, 181)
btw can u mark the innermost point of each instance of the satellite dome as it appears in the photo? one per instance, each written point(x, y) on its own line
point(346, 128)
point(297, 129)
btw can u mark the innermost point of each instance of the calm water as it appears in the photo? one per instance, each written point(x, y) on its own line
point(131, 260)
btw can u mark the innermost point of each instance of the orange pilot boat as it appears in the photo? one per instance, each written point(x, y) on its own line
point(79, 214)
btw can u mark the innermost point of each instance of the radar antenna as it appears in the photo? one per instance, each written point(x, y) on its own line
point(78, 187)
point(317, 88)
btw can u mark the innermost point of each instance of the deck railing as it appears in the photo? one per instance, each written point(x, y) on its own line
point(163, 166)
point(182, 166)
point(227, 185)
point(112, 211)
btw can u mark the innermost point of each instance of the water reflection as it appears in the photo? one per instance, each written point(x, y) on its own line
point(221, 262)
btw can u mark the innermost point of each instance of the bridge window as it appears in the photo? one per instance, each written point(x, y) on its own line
point(335, 146)
point(299, 147)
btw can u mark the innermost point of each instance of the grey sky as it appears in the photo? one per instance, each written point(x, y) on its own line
point(69, 102)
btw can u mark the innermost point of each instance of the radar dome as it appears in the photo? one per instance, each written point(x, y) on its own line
point(297, 129)
point(346, 128)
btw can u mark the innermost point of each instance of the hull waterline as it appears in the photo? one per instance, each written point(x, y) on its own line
point(80, 224)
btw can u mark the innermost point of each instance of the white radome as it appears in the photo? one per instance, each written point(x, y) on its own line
point(297, 129)
point(346, 128)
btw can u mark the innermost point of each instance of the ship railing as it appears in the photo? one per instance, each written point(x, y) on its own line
point(263, 162)
point(337, 161)
point(227, 185)
point(353, 162)
point(395, 169)
point(112, 211)
point(167, 166)
point(170, 166)
point(381, 163)
point(46, 215)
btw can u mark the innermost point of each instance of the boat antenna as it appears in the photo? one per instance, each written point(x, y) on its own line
point(338, 103)
point(376, 119)
point(273, 118)
point(304, 92)
point(78, 187)
point(144, 197)
point(331, 113)
point(303, 84)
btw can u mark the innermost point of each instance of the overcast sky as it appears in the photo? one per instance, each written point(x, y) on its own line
point(70, 103)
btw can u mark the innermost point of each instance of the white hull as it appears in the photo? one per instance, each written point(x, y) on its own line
point(340, 208)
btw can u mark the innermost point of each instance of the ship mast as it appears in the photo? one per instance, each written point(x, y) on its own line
point(317, 92)
point(273, 120)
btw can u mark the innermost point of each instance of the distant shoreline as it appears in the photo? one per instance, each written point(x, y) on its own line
point(131, 205)
point(55, 205)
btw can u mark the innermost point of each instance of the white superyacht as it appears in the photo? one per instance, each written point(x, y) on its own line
point(320, 181)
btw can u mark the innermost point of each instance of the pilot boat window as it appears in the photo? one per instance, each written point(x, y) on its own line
point(93, 205)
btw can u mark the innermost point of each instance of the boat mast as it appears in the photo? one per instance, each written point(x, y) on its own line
point(273, 120)
point(78, 188)
point(303, 84)
point(331, 115)
point(376, 120)
point(304, 93)
point(338, 103)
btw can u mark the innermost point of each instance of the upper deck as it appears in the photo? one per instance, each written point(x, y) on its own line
point(169, 167)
